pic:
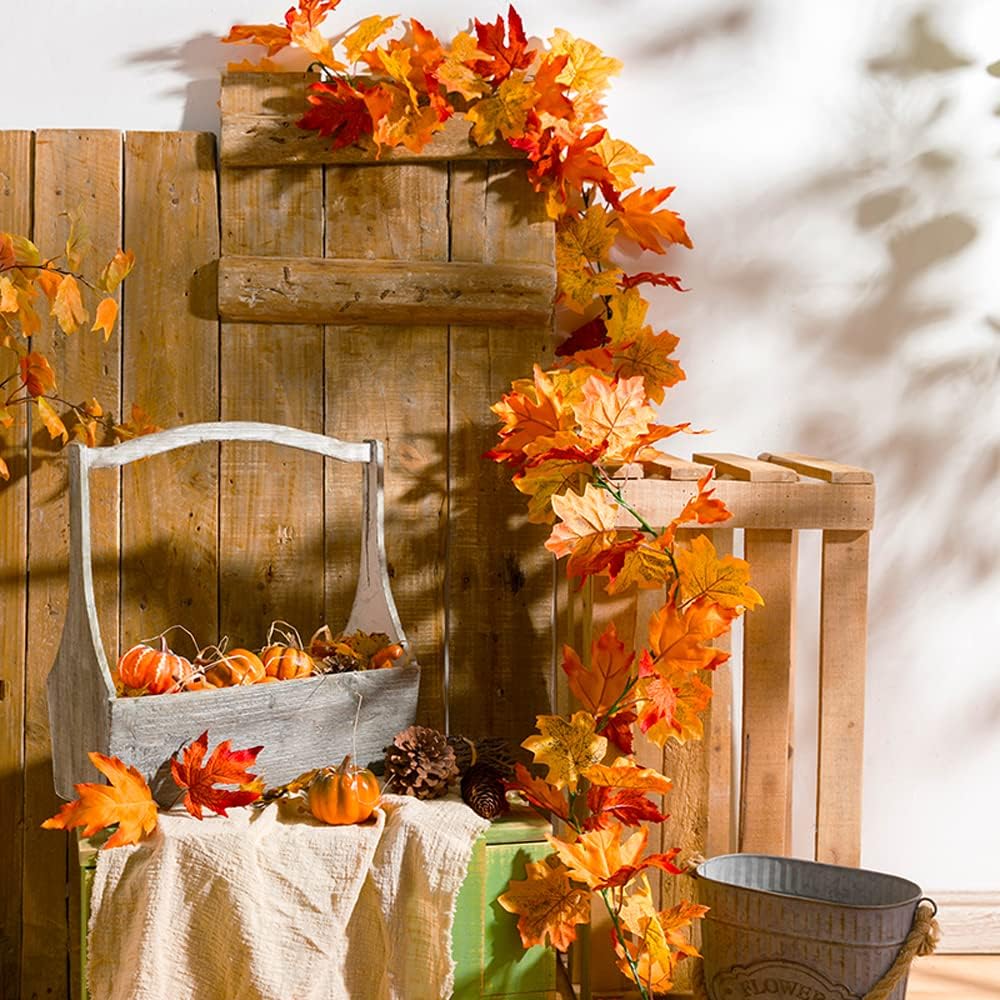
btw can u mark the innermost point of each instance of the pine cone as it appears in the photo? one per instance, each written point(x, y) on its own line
point(338, 663)
point(421, 763)
point(493, 751)
point(483, 791)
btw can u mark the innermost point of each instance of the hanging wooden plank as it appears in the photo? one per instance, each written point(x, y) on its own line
point(16, 152)
point(500, 585)
point(765, 788)
point(843, 631)
point(804, 504)
point(397, 212)
point(349, 292)
point(72, 170)
point(170, 504)
point(272, 510)
point(831, 472)
point(259, 115)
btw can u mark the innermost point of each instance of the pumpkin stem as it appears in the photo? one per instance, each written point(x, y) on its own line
point(344, 765)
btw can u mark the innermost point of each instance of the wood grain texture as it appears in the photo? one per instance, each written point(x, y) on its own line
point(72, 170)
point(843, 634)
point(350, 292)
point(969, 922)
point(500, 585)
point(16, 154)
point(169, 571)
point(819, 468)
point(765, 786)
point(271, 504)
point(392, 383)
point(748, 469)
point(803, 504)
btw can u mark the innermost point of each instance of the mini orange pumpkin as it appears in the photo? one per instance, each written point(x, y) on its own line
point(386, 656)
point(146, 670)
point(236, 668)
point(344, 795)
point(287, 659)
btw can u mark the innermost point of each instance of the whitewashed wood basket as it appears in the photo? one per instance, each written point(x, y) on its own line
point(300, 723)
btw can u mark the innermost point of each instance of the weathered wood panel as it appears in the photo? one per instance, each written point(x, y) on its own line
point(72, 170)
point(400, 212)
point(16, 153)
point(843, 634)
point(271, 511)
point(349, 292)
point(170, 504)
point(819, 468)
point(500, 576)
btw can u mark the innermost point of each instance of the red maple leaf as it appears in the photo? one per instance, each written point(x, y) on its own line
point(585, 338)
point(626, 873)
point(224, 767)
point(619, 805)
point(506, 45)
point(618, 730)
point(339, 111)
point(651, 278)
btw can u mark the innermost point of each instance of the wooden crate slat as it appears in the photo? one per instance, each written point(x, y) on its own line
point(765, 788)
point(73, 169)
point(16, 153)
point(819, 468)
point(803, 504)
point(748, 469)
point(170, 504)
point(410, 292)
point(843, 630)
point(663, 466)
point(400, 212)
point(271, 503)
point(500, 576)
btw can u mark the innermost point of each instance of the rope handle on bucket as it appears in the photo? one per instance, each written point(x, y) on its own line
point(922, 940)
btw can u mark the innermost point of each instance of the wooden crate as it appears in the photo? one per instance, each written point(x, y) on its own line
point(302, 724)
point(772, 498)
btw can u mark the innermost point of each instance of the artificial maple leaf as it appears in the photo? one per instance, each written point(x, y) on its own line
point(538, 792)
point(397, 63)
point(505, 47)
point(670, 703)
point(582, 247)
point(626, 773)
point(37, 375)
point(127, 801)
point(139, 424)
point(622, 159)
point(303, 26)
point(225, 767)
point(8, 255)
point(455, 73)
point(647, 566)
point(628, 806)
point(586, 526)
point(398, 122)
point(105, 317)
point(704, 574)
point(652, 278)
point(551, 477)
point(68, 306)
point(561, 165)
point(262, 65)
point(602, 682)
point(552, 93)
point(618, 729)
point(51, 420)
point(549, 904)
point(678, 639)
point(702, 507)
point(116, 270)
point(529, 416)
point(596, 856)
point(426, 51)
point(272, 36)
point(566, 748)
point(641, 220)
point(649, 356)
point(627, 317)
point(504, 112)
point(339, 111)
point(587, 73)
point(368, 31)
point(614, 413)
point(625, 874)
point(592, 334)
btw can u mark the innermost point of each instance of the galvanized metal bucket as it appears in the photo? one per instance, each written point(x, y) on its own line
point(788, 928)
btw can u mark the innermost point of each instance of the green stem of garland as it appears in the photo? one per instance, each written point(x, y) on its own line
point(619, 934)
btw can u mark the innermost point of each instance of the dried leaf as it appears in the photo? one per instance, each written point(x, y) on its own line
point(107, 314)
point(51, 420)
point(37, 375)
point(68, 307)
point(116, 270)
point(139, 423)
point(225, 767)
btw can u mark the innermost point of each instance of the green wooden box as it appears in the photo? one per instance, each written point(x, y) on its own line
point(489, 959)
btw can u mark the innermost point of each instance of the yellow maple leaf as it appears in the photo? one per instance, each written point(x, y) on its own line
point(8, 296)
point(67, 306)
point(595, 856)
point(550, 478)
point(622, 159)
point(454, 73)
point(126, 801)
point(505, 112)
point(628, 316)
point(368, 31)
point(397, 65)
point(614, 413)
point(584, 520)
point(51, 420)
point(647, 567)
point(583, 243)
point(588, 70)
point(725, 581)
point(549, 905)
point(566, 748)
point(626, 773)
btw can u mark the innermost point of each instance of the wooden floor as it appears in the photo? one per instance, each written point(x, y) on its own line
point(955, 977)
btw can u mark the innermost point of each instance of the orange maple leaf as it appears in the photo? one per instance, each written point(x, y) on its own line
point(640, 220)
point(127, 801)
point(225, 767)
point(600, 684)
point(538, 792)
point(670, 703)
point(614, 414)
point(52, 421)
point(678, 639)
point(586, 526)
point(601, 860)
point(626, 773)
point(529, 417)
point(548, 903)
point(725, 581)
point(702, 507)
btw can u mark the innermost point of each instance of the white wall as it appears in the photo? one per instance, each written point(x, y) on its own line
point(837, 163)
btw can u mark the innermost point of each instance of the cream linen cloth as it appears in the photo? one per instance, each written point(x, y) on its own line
point(263, 906)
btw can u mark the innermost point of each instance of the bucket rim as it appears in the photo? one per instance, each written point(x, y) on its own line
point(916, 893)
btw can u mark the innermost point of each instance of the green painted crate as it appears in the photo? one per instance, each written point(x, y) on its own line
point(489, 959)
